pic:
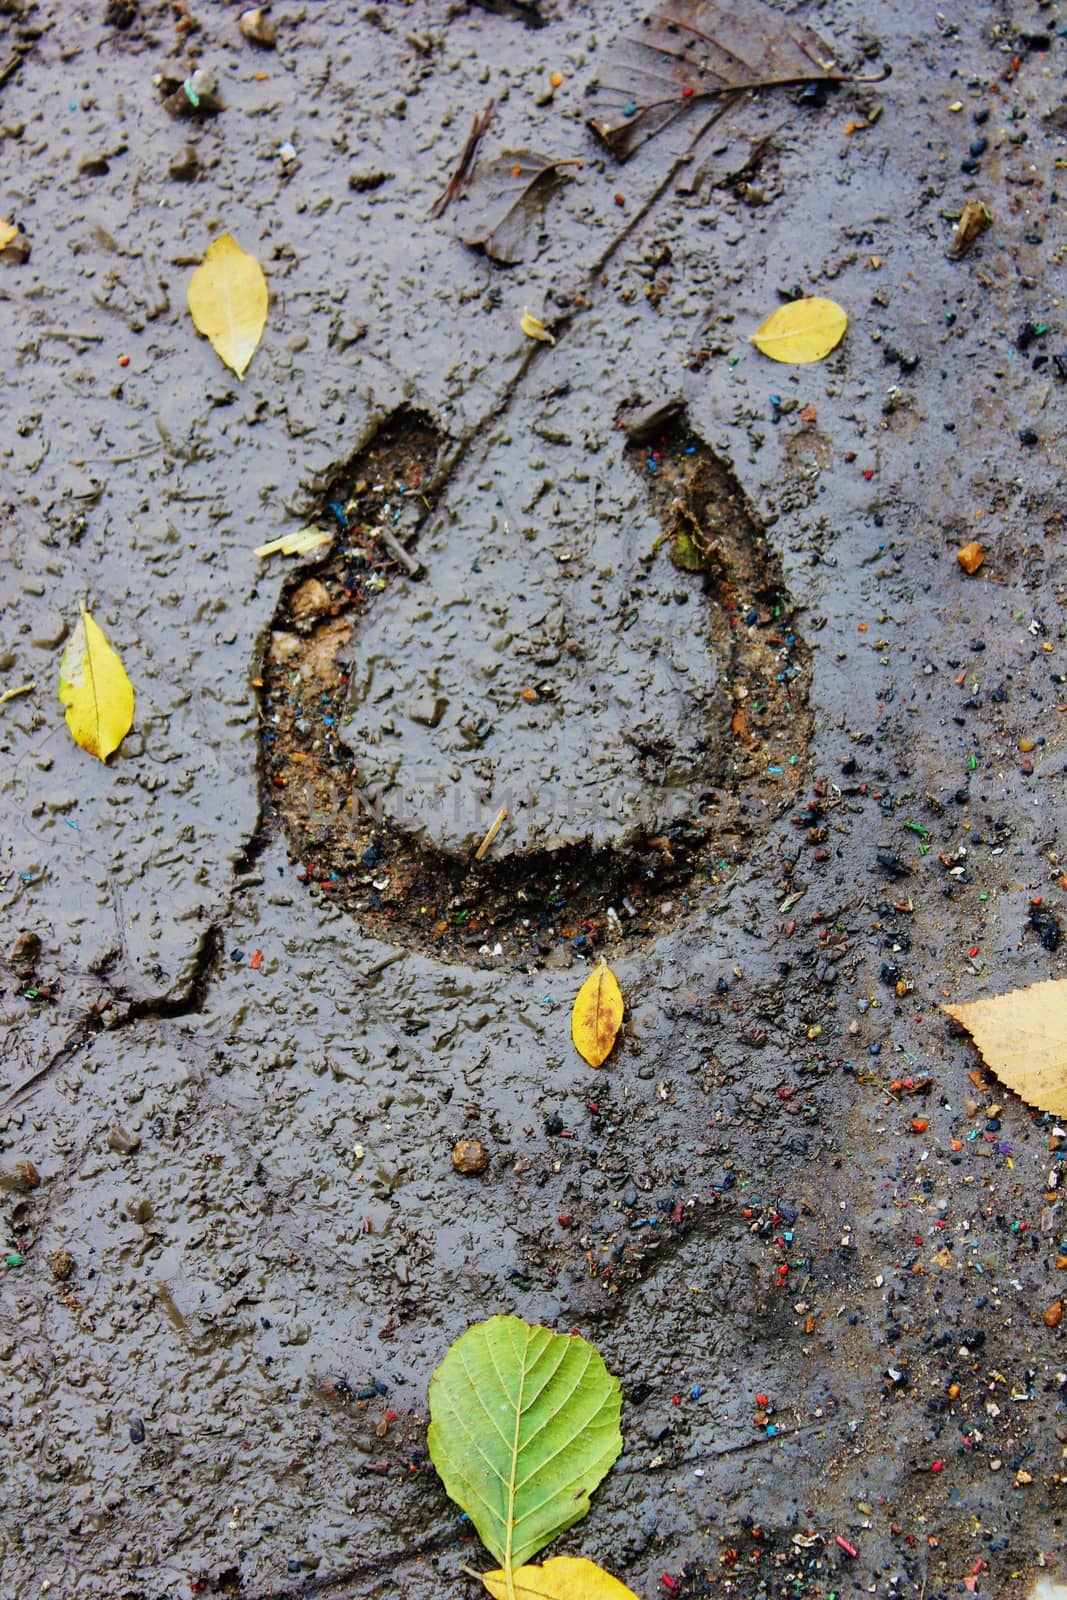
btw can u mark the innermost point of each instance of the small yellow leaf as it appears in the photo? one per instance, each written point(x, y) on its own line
point(802, 331)
point(561, 1578)
point(534, 328)
point(95, 690)
point(7, 233)
point(228, 300)
point(597, 1015)
point(1023, 1037)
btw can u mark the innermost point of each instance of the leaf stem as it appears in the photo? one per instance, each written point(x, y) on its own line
point(509, 1576)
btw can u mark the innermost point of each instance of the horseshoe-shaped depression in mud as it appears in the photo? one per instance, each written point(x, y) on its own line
point(591, 633)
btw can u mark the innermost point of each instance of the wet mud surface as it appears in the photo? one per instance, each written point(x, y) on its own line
point(817, 1243)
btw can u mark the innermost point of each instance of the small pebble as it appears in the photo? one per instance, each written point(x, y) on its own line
point(469, 1156)
point(1054, 1314)
point(61, 1264)
point(21, 1179)
point(123, 1143)
point(970, 557)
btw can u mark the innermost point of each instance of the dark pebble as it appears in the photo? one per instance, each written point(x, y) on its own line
point(553, 1124)
point(1028, 437)
point(982, 115)
point(137, 1433)
point(970, 166)
point(979, 146)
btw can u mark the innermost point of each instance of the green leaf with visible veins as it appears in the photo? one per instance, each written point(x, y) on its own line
point(524, 1423)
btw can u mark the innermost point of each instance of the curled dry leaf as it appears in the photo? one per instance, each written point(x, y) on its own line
point(597, 1015)
point(534, 328)
point(802, 331)
point(14, 244)
point(228, 300)
point(695, 50)
point(973, 221)
point(95, 690)
point(561, 1578)
point(504, 202)
point(1023, 1038)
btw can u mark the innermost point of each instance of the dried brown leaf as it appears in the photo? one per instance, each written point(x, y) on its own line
point(505, 202)
point(695, 50)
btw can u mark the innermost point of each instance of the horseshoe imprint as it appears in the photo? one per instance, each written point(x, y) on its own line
point(607, 650)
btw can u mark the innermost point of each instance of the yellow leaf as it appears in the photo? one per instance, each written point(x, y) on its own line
point(7, 233)
point(1023, 1037)
point(95, 690)
point(597, 1015)
point(534, 328)
point(562, 1578)
point(228, 300)
point(802, 331)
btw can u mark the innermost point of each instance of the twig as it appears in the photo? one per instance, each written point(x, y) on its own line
point(410, 565)
point(386, 961)
point(71, 335)
point(494, 829)
point(459, 178)
point(12, 694)
point(12, 65)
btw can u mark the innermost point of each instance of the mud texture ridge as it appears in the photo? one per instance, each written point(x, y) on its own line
point(696, 620)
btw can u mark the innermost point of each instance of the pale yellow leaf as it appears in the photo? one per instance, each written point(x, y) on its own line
point(597, 1015)
point(295, 544)
point(95, 690)
point(228, 300)
point(561, 1578)
point(1023, 1037)
point(534, 328)
point(7, 233)
point(802, 331)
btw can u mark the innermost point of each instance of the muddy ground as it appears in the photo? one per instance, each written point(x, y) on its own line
point(800, 792)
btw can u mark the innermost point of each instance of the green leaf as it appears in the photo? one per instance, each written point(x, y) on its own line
point(524, 1423)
